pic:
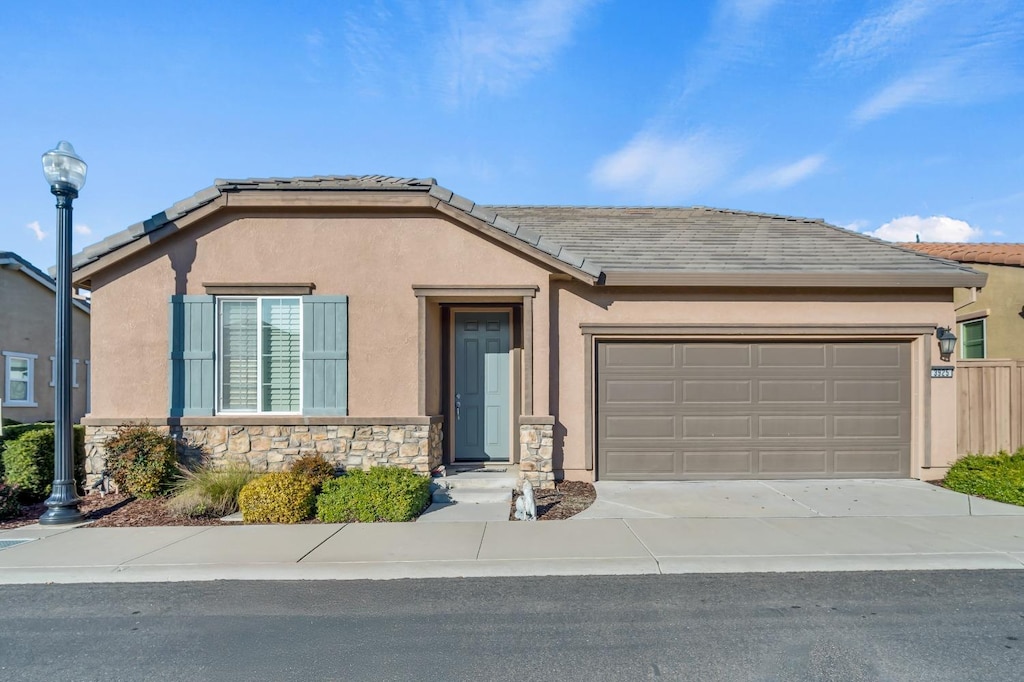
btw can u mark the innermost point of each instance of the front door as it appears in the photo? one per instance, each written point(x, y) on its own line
point(482, 403)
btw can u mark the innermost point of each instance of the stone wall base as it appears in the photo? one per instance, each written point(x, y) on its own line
point(536, 444)
point(274, 448)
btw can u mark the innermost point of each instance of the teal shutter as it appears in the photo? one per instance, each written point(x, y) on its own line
point(325, 355)
point(193, 341)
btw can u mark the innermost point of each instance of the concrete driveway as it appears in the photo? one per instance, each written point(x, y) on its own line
point(785, 499)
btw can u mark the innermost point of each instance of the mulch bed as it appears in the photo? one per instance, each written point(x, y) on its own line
point(122, 511)
point(568, 499)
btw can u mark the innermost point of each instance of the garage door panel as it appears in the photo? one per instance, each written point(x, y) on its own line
point(641, 391)
point(858, 391)
point(868, 426)
point(793, 426)
point(717, 391)
point(711, 355)
point(651, 463)
point(654, 355)
point(718, 462)
point(791, 355)
point(864, 355)
point(640, 427)
point(752, 410)
point(784, 391)
point(865, 462)
point(790, 462)
point(717, 427)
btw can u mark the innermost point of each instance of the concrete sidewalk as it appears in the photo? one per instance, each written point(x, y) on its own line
point(646, 529)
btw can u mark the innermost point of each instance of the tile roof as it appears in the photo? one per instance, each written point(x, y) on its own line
point(596, 240)
point(12, 261)
point(708, 239)
point(991, 253)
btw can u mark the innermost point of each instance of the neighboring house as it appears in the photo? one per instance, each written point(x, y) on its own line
point(990, 322)
point(27, 319)
point(388, 321)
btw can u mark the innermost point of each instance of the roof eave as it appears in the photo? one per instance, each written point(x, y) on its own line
point(864, 279)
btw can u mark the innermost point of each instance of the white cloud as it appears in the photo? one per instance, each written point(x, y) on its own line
point(929, 85)
point(504, 44)
point(36, 230)
point(855, 225)
point(83, 229)
point(933, 229)
point(782, 176)
point(873, 37)
point(663, 168)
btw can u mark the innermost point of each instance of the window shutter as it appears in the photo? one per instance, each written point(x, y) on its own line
point(193, 340)
point(325, 355)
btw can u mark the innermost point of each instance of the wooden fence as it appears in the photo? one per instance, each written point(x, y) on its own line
point(990, 406)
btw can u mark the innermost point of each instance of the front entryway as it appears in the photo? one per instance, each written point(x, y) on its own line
point(482, 399)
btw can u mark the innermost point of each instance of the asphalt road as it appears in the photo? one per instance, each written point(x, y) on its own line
point(835, 626)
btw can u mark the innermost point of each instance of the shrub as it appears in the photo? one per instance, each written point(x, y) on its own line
point(209, 490)
point(315, 468)
point(141, 460)
point(996, 477)
point(9, 506)
point(277, 497)
point(28, 463)
point(380, 494)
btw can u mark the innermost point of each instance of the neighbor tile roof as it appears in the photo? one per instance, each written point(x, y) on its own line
point(992, 253)
point(595, 240)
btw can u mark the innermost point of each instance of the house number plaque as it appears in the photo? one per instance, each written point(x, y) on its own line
point(942, 372)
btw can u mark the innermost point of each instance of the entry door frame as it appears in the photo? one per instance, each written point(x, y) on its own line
point(513, 386)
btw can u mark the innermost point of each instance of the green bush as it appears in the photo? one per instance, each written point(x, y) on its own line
point(9, 506)
point(277, 497)
point(996, 477)
point(13, 433)
point(28, 463)
point(315, 468)
point(141, 460)
point(209, 490)
point(380, 494)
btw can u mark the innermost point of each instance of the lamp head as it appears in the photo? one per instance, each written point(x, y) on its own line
point(64, 170)
point(947, 342)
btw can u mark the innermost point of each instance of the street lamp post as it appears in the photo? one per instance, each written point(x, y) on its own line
point(65, 172)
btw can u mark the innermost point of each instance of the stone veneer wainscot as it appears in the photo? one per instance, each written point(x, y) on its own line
point(350, 443)
point(536, 443)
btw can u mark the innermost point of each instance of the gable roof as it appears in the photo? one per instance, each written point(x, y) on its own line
point(610, 245)
point(12, 261)
point(985, 253)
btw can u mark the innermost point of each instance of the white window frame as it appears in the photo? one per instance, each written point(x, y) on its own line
point(259, 360)
point(31, 390)
point(74, 373)
point(53, 371)
point(984, 337)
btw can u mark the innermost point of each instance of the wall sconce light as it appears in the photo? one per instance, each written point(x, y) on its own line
point(947, 342)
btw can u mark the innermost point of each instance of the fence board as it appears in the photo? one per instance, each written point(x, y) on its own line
point(990, 405)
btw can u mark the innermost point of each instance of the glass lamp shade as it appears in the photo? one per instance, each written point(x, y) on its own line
point(63, 167)
point(947, 342)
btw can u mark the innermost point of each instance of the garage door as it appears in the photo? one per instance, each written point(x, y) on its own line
point(679, 411)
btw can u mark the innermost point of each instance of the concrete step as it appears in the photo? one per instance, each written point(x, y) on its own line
point(472, 495)
point(477, 481)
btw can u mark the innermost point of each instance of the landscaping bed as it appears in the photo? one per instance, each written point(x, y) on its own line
point(994, 477)
point(568, 499)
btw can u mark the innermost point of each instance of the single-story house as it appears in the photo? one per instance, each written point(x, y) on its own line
point(991, 320)
point(384, 320)
point(27, 326)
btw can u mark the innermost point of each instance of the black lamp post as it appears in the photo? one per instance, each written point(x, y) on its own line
point(66, 174)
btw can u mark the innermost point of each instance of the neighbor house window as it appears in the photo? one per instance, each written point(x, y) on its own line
point(260, 354)
point(972, 340)
point(19, 377)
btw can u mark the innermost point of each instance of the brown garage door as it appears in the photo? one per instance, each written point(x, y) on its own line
point(677, 411)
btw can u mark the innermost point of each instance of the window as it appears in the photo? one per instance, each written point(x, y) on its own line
point(19, 371)
point(260, 344)
point(258, 354)
point(972, 344)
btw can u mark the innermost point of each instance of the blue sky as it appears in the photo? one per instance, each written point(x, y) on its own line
point(894, 117)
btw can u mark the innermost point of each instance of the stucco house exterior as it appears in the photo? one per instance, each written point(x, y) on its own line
point(990, 321)
point(385, 320)
point(27, 319)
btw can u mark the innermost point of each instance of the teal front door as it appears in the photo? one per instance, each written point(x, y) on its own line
point(482, 396)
